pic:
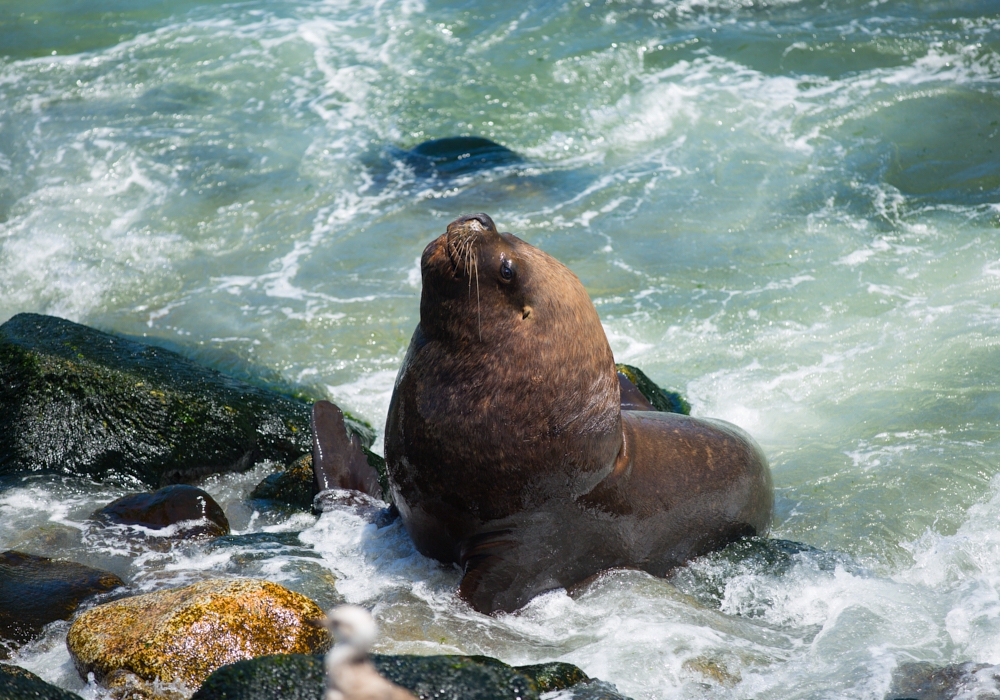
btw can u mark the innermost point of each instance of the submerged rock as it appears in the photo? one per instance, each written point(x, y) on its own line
point(925, 681)
point(661, 400)
point(172, 505)
point(76, 401)
point(555, 675)
point(35, 591)
point(437, 677)
point(19, 684)
point(457, 155)
point(181, 635)
point(706, 578)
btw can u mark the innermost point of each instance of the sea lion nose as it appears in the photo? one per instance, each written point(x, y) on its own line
point(473, 223)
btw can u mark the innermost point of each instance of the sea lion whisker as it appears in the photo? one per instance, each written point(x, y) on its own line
point(479, 308)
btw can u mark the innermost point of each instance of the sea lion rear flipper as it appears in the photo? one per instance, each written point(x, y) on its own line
point(339, 461)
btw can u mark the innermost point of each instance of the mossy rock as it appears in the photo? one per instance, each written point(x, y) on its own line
point(76, 401)
point(662, 400)
point(284, 676)
point(555, 675)
point(293, 486)
point(182, 635)
point(18, 684)
point(35, 591)
point(427, 677)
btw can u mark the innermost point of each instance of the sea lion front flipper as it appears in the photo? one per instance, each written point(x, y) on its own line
point(339, 461)
point(495, 577)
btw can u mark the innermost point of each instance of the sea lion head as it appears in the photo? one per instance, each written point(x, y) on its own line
point(523, 331)
point(481, 286)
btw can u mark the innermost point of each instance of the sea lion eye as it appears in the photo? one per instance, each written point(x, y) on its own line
point(506, 270)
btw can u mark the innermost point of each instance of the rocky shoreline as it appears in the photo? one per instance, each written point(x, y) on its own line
point(77, 402)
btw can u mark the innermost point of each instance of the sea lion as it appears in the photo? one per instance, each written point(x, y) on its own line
point(507, 448)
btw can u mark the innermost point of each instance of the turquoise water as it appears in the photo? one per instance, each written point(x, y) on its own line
point(787, 210)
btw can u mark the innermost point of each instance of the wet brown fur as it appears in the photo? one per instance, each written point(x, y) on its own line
point(508, 451)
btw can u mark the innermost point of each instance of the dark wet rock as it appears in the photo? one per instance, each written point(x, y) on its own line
point(437, 677)
point(19, 684)
point(457, 155)
point(285, 676)
point(188, 506)
point(662, 400)
point(925, 681)
point(592, 690)
point(554, 675)
point(76, 401)
point(182, 635)
point(458, 677)
point(706, 578)
point(35, 591)
point(293, 486)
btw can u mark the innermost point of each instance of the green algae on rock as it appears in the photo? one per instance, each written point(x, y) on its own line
point(286, 676)
point(456, 677)
point(427, 677)
point(555, 675)
point(662, 400)
point(18, 684)
point(76, 401)
point(293, 486)
point(182, 635)
point(35, 591)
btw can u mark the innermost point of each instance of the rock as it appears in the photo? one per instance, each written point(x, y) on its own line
point(294, 486)
point(181, 635)
point(19, 684)
point(458, 155)
point(437, 677)
point(35, 591)
point(705, 578)
point(667, 401)
point(591, 690)
point(554, 675)
point(76, 401)
point(188, 506)
point(287, 676)
point(713, 670)
point(924, 681)
point(456, 677)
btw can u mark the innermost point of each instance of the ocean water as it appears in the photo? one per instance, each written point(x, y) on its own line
point(788, 210)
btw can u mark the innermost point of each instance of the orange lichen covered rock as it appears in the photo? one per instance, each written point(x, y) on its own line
point(181, 635)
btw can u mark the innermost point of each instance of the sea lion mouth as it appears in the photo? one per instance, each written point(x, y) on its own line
point(462, 235)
